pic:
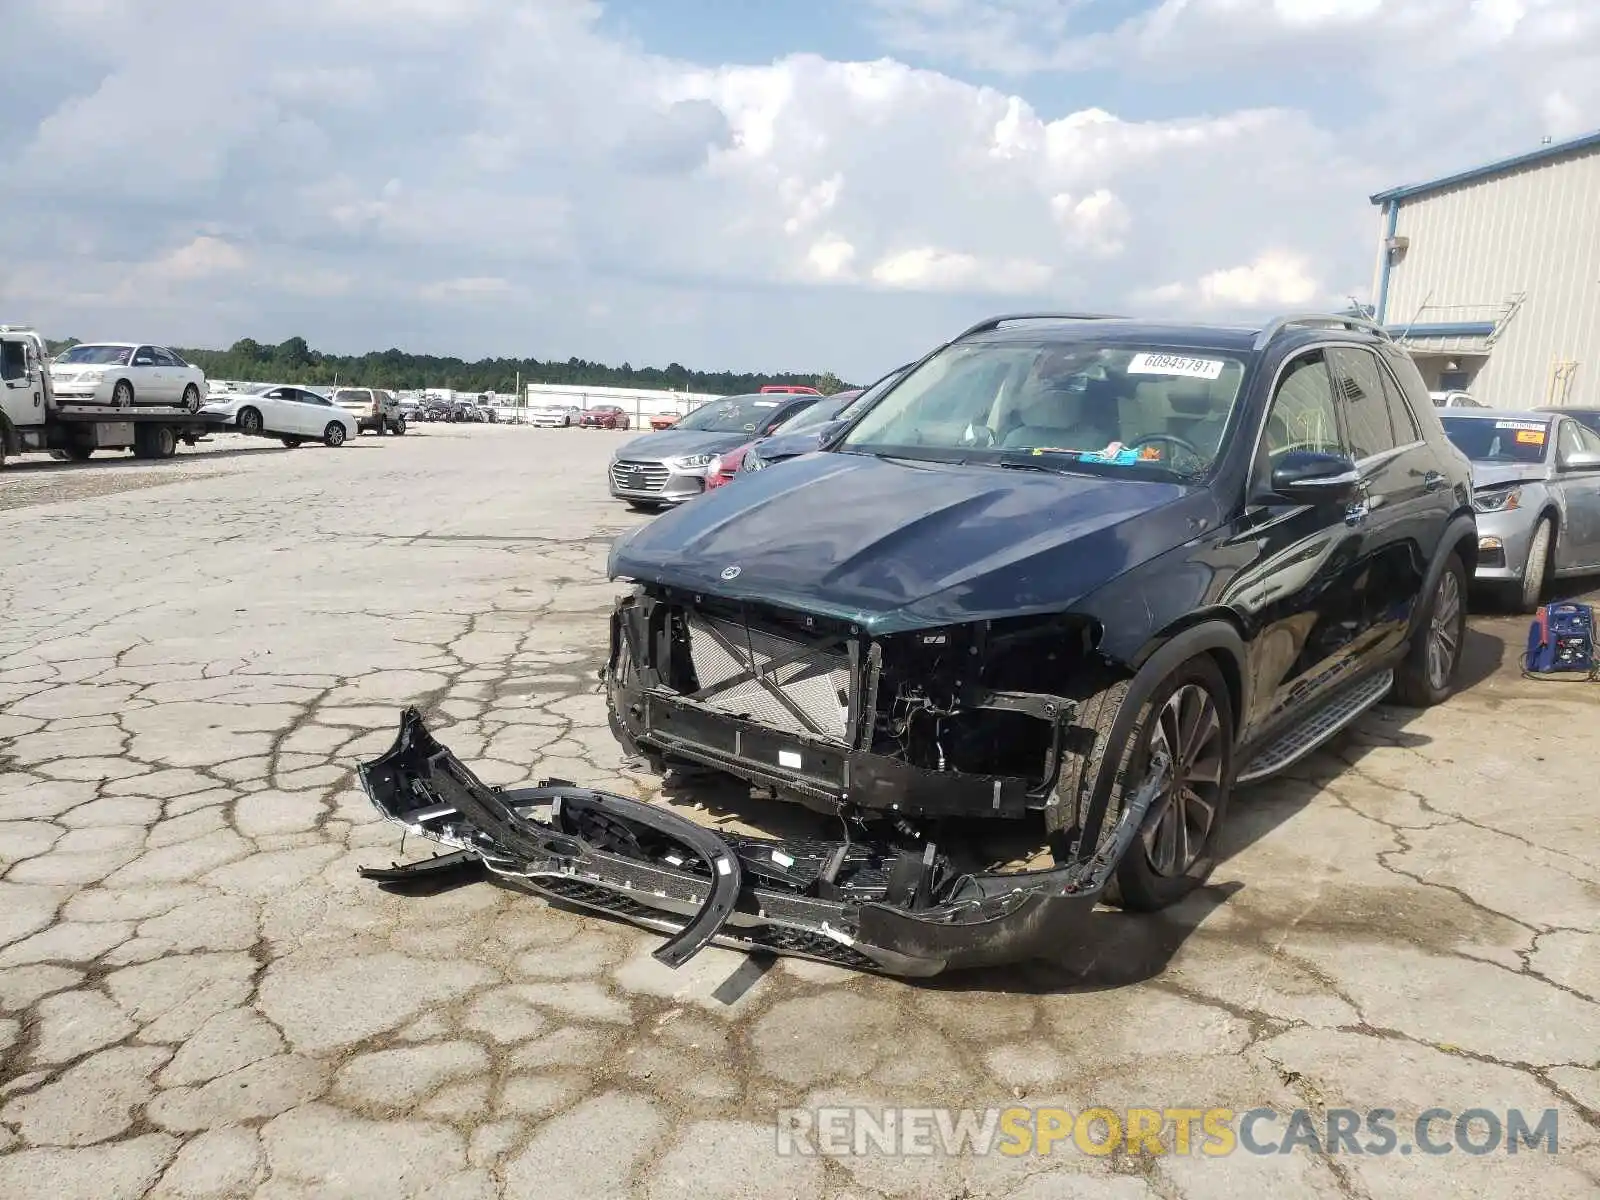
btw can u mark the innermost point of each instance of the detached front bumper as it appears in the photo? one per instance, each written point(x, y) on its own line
point(866, 905)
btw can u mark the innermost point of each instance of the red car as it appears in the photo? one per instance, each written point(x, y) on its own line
point(790, 389)
point(603, 416)
point(663, 420)
point(725, 466)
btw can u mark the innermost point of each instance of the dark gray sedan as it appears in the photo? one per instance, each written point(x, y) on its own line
point(669, 467)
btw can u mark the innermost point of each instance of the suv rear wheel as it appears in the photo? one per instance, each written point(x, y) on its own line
point(1427, 676)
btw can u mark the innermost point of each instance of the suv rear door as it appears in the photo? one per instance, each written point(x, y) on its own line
point(1407, 500)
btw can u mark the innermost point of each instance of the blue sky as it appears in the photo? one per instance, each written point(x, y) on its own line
point(769, 186)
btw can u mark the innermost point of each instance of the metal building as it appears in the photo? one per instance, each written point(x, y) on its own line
point(1491, 277)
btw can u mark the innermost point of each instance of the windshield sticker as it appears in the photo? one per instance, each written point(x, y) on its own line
point(1175, 364)
point(1531, 437)
point(1539, 425)
point(766, 404)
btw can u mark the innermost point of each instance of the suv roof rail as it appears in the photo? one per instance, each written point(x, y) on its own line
point(1353, 323)
point(995, 322)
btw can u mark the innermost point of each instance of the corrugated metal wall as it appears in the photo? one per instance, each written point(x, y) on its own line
point(1474, 247)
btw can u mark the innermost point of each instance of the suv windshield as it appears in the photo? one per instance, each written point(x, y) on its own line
point(1486, 441)
point(735, 414)
point(105, 356)
point(1059, 404)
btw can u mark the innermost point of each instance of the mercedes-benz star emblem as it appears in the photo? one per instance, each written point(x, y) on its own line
point(730, 572)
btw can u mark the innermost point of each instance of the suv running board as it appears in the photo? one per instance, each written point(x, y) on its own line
point(1317, 727)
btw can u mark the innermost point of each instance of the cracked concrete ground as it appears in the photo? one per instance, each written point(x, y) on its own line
point(199, 998)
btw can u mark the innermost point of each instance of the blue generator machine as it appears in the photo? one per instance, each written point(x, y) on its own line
point(1561, 641)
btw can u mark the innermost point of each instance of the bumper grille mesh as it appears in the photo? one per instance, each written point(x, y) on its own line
point(817, 682)
point(639, 476)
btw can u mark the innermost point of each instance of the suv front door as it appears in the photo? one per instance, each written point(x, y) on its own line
point(1306, 587)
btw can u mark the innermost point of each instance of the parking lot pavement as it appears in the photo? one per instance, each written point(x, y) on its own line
point(199, 997)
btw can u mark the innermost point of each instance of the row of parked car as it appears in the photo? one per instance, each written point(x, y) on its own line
point(723, 439)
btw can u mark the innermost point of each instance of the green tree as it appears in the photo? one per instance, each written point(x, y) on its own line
point(294, 361)
point(293, 354)
point(830, 384)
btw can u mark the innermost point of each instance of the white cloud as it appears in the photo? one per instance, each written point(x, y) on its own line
point(200, 259)
point(1271, 280)
point(927, 268)
point(490, 176)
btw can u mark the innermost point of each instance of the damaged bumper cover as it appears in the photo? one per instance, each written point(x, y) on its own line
point(859, 904)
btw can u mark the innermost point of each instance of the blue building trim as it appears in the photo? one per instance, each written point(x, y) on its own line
point(1446, 329)
point(1489, 170)
point(1392, 223)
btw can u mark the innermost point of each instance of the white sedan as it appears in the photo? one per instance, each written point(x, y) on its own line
point(555, 416)
point(125, 374)
point(293, 414)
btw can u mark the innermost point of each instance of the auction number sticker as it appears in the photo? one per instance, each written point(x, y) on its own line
point(1175, 364)
point(1531, 437)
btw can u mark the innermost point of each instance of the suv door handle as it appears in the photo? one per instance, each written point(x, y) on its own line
point(1433, 481)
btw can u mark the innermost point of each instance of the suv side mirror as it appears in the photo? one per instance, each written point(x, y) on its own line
point(1313, 477)
point(1581, 460)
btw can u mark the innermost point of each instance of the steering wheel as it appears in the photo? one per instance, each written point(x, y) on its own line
point(1171, 439)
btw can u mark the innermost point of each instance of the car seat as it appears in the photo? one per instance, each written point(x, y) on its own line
point(1060, 419)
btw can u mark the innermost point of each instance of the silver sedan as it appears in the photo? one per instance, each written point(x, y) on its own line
point(1536, 489)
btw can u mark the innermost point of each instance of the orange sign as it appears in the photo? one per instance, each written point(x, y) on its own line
point(1531, 437)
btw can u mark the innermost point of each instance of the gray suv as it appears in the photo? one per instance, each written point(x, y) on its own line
point(375, 410)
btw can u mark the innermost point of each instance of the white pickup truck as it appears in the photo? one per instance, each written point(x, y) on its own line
point(34, 417)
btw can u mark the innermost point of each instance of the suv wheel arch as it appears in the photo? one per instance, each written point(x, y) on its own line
point(1111, 700)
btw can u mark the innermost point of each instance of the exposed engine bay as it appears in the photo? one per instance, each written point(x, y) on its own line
point(958, 721)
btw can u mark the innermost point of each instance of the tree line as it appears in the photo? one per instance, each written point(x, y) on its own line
point(294, 361)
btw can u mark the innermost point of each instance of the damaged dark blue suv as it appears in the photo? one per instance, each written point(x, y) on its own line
point(1070, 577)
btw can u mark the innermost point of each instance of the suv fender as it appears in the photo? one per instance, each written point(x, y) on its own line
point(1462, 531)
point(1088, 774)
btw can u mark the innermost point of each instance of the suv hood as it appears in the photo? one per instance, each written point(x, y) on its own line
point(894, 545)
point(675, 443)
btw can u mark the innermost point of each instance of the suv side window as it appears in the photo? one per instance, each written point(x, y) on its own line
point(1302, 415)
point(1358, 381)
point(1406, 429)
